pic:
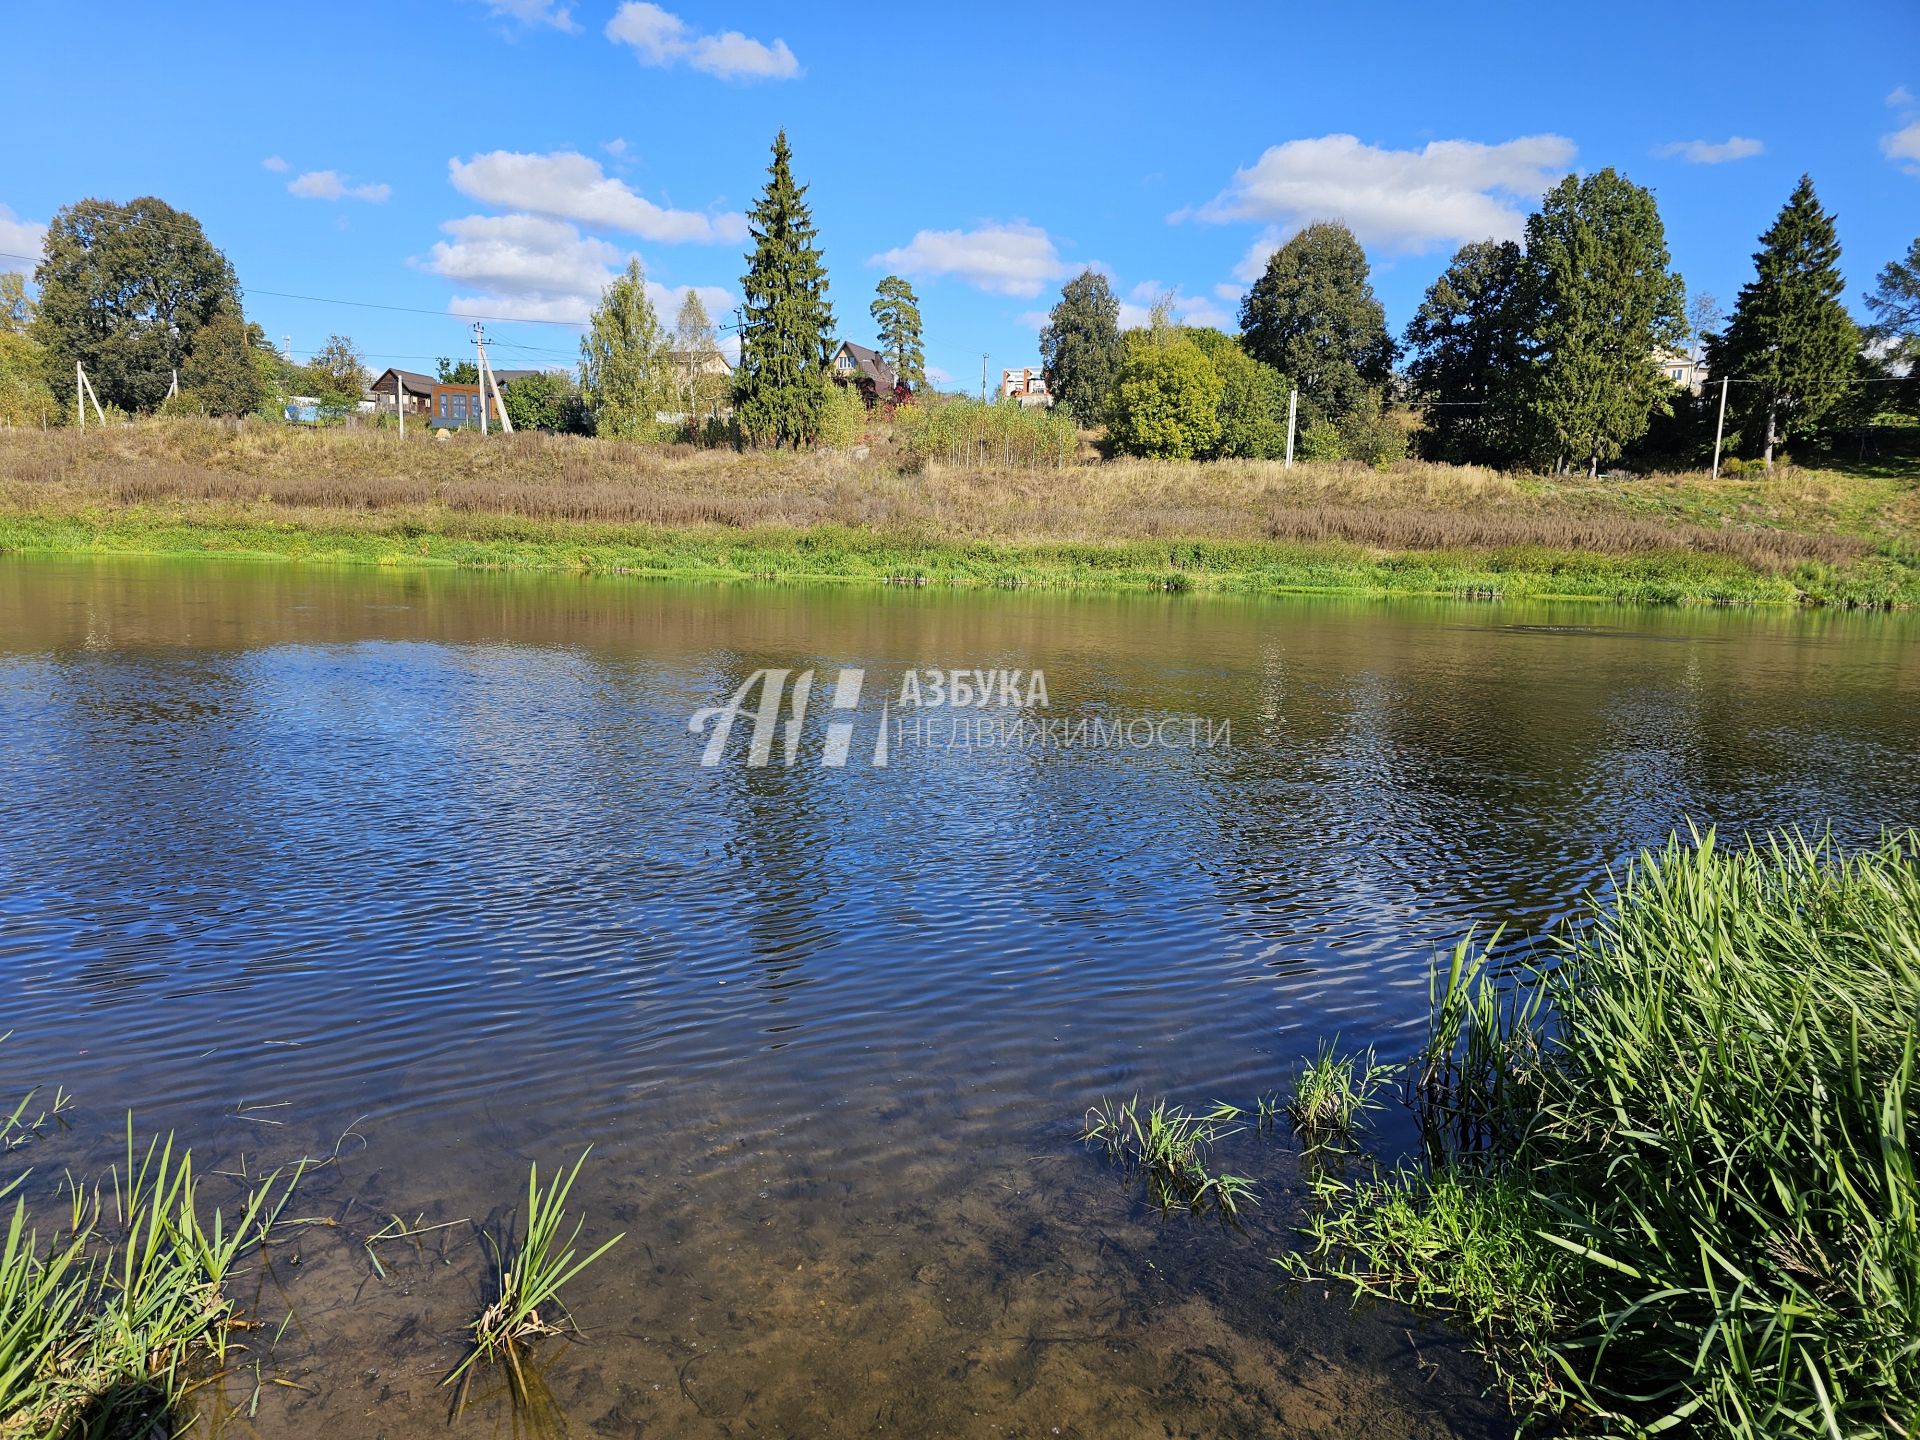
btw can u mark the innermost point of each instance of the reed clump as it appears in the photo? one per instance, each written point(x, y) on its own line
point(1670, 1179)
point(529, 1271)
point(103, 1318)
point(1334, 1092)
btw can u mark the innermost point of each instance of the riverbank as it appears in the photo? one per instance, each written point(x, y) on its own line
point(546, 503)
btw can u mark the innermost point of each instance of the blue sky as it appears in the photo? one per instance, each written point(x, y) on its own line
point(473, 157)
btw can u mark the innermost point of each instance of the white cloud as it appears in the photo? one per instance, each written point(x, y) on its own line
point(939, 376)
point(1448, 192)
point(573, 187)
point(535, 12)
point(616, 147)
point(528, 267)
point(1713, 152)
point(1903, 147)
point(1899, 97)
point(524, 267)
point(275, 164)
point(659, 37)
point(20, 237)
point(331, 185)
point(1011, 259)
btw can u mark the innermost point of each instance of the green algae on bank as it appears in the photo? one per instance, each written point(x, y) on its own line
point(850, 555)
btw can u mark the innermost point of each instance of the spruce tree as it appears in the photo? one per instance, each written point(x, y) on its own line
point(1313, 317)
point(1471, 357)
point(623, 361)
point(1080, 347)
point(1790, 346)
point(896, 310)
point(780, 389)
point(1607, 307)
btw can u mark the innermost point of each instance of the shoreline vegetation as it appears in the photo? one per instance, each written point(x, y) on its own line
point(1668, 1181)
point(191, 487)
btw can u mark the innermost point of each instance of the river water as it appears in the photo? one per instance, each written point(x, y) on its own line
point(422, 874)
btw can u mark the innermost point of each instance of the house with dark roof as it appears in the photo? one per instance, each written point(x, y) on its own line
point(866, 370)
point(392, 387)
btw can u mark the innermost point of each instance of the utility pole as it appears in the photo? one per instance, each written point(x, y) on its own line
point(1721, 428)
point(1293, 411)
point(286, 347)
point(400, 402)
point(983, 379)
point(480, 369)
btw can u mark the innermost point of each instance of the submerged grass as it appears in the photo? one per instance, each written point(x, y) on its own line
point(1168, 1145)
point(1671, 1183)
point(530, 1270)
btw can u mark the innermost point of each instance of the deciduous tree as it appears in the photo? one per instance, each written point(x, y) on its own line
point(219, 377)
point(1313, 317)
point(124, 289)
point(695, 350)
point(339, 367)
point(780, 388)
point(896, 310)
point(1790, 347)
point(623, 360)
point(16, 310)
point(1080, 347)
point(1606, 306)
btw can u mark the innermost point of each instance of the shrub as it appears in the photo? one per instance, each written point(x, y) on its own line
point(1166, 400)
point(843, 419)
point(1320, 440)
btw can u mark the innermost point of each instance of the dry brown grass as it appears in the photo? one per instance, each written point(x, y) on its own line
point(205, 466)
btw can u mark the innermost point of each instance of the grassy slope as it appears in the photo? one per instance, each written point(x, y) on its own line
point(359, 499)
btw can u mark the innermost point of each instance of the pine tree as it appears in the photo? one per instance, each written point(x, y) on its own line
point(896, 310)
point(1471, 357)
point(1895, 304)
point(1607, 307)
point(780, 389)
point(623, 360)
point(1080, 347)
point(1790, 346)
point(1313, 317)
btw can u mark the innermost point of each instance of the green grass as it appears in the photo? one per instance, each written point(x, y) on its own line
point(1169, 1145)
point(1334, 1092)
point(101, 1321)
point(530, 1270)
point(1671, 1182)
point(849, 555)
